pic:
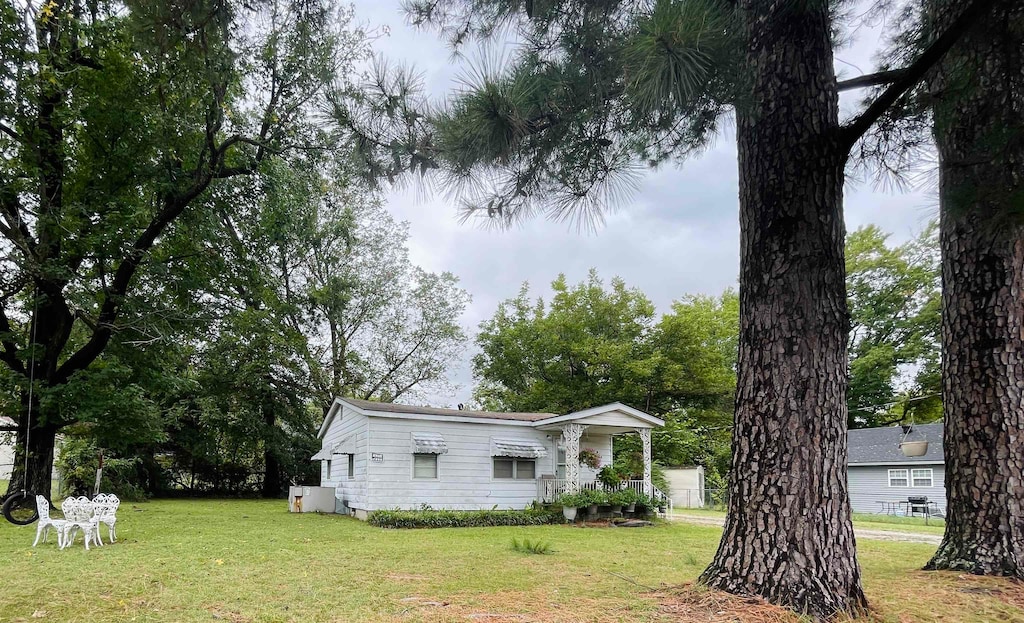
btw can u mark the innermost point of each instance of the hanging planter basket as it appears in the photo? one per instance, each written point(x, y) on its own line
point(914, 448)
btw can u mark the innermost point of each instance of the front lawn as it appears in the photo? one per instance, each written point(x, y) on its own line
point(239, 561)
point(869, 521)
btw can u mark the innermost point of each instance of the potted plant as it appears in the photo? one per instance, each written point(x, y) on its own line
point(610, 477)
point(594, 498)
point(570, 503)
point(626, 499)
point(590, 458)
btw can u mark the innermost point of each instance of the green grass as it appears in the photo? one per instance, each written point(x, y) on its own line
point(239, 561)
point(867, 521)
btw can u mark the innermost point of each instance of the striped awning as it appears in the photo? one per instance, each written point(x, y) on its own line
point(518, 448)
point(428, 443)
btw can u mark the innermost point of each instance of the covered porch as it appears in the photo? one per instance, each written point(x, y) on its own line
point(593, 429)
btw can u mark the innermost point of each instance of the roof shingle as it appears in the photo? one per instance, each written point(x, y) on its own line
point(390, 407)
point(881, 445)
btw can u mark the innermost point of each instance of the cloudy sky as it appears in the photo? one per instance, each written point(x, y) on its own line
point(679, 234)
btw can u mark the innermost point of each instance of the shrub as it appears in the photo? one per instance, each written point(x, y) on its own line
point(573, 500)
point(526, 546)
point(610, 476)
point(625, 497)
point(462, 519)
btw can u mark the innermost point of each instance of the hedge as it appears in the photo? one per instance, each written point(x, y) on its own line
point(462, 519)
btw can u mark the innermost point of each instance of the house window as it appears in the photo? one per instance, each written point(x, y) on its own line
point(899, 478)
point(517, 469)
point(560, 465)
point(351, 466)
point(328, 469)
point(424, 466)
point(921, 477)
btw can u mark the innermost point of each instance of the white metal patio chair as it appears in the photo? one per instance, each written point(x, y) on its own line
point(46, 522)
point(78, 513)
point(105, 507)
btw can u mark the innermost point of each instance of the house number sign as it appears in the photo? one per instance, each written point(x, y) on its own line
point(376, 457)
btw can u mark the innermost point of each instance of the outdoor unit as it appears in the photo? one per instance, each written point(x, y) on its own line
point(311, 499)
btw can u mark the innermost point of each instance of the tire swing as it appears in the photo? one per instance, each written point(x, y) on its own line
point(19, 508)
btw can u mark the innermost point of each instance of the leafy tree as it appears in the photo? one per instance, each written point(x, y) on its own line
point(596, 87)
point(115, 119)
point(894, 336)
point(594, 345)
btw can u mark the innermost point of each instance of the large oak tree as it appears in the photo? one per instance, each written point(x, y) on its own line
point(116, 118)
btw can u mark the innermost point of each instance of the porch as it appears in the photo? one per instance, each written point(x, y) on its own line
point(600, 423)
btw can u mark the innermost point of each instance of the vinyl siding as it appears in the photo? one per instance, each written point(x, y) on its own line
point(351, 491)
point(464, 479)
point(869, 485)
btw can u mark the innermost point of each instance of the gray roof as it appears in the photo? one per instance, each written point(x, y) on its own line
point(391, 407)
point(881, 445)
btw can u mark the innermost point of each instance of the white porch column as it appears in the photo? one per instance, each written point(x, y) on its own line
point(571, 434)
point(645, 441)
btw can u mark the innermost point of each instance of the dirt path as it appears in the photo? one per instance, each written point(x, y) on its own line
point(862, 533)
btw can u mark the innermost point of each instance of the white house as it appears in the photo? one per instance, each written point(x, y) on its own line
point(383, 456)
point(883, 480)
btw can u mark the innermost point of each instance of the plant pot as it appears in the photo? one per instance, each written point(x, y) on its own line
point(914, 448)
point(592, 509)
point(569, 512)
point(616, 508)
point(631, 508)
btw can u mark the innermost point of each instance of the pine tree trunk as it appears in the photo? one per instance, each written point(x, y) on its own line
point(979, 129)
point(788, 536)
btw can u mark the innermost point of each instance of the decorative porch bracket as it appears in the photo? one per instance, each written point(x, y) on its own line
point(571, 434)
point(645, 441)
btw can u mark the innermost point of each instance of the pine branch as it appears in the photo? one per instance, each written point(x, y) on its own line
point(853, 131)
point(870, 80)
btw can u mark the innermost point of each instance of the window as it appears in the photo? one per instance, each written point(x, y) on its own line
point(328, 477)
point(351, 466)
point(518, 469)
point(921, 477)
point(424, 466)
point(898, 478)
point(560, 464)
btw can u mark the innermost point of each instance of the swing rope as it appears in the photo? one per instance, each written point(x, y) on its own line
point(31, 383)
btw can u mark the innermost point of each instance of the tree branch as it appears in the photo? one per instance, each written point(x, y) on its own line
point(853, 131)
point(869, 80)
point(9, 354)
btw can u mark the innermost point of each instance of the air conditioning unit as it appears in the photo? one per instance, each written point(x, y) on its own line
point(311, 500)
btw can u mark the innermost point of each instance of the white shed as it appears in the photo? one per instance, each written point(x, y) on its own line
point(686, 486)
point(384, 455)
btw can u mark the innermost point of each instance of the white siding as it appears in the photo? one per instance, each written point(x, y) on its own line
point(465, 480)
point(352, 491)
point(869, 486)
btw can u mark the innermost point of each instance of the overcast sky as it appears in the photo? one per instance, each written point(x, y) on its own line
point(679, 234)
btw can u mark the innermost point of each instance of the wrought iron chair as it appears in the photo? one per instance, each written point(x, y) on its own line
point(78, 513)
point(105, 507)
point(46, 522)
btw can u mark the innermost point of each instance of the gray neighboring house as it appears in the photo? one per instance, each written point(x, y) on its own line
point(879, 473)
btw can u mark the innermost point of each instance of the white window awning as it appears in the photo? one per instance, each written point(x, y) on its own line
point(428, 443)
point(345, 446)
point(323, 455)
point(518, 448)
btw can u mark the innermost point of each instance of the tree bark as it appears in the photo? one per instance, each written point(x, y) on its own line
point(788, 536)
point(979, 95)
point(41, 443)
